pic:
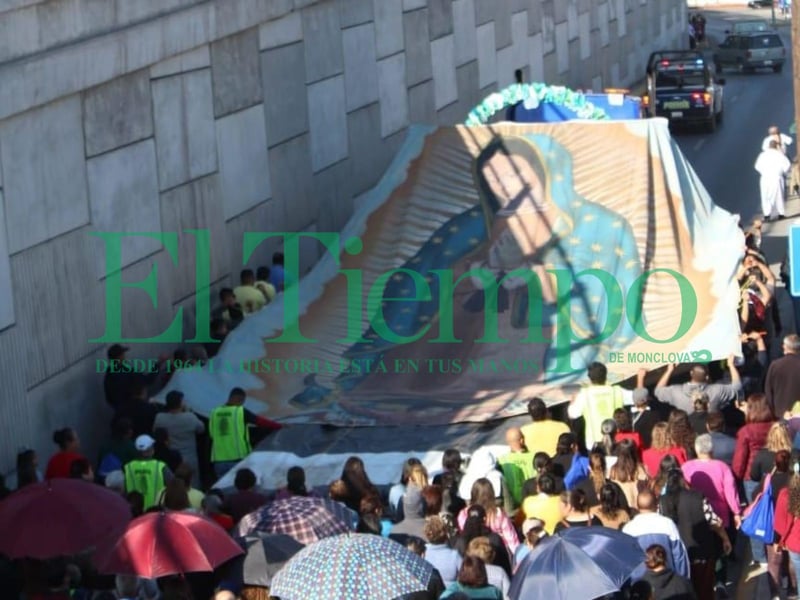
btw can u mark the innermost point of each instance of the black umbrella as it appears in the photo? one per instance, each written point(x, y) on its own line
point(266, 554)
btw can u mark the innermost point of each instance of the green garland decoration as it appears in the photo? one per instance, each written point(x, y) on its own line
point(520, 92)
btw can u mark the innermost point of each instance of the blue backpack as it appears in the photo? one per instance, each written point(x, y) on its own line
point(759, 517)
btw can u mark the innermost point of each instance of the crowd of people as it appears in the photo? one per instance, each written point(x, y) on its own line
point(676, 466)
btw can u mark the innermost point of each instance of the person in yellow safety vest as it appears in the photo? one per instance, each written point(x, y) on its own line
point(597, 402)
point(145, 474)
point(228, 427)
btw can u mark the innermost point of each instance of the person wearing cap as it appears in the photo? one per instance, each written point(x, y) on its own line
point(145, 474)
point(230, 438)
point(533, 531)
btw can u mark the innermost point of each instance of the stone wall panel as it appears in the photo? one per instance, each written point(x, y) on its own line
point(243, 160)
point(418, 47)
point(125, 199)
point(326, 111)
point(184, 126)
point(286, 105)
point(361, 67)
point(118, 113)
point(236, 73)
point(321, 30)
point(44, 173)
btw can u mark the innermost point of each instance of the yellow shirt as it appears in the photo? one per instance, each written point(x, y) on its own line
point(542, 436)
point(249, 298)
point(267, 289)
point(544, 507)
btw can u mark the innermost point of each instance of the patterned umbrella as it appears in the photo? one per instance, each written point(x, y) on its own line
point(304, 518)
point(354, 565)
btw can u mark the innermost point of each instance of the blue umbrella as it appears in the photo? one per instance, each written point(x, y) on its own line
point(580, 562)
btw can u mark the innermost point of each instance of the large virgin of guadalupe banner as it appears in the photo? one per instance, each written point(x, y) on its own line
point(492, 264)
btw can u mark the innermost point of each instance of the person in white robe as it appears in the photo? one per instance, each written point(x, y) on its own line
point(773, 133)
point(773, 166)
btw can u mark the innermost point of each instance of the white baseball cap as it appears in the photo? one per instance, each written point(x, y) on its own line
point(144, 442)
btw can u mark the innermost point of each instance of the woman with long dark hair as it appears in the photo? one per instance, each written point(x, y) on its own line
point(295, 484)
point(475, 526)
point(629, 472)
point(658, 483)
point(27, 469)
point(575, 511)
point(613, 509)
point(355, 477)
point(700, 529)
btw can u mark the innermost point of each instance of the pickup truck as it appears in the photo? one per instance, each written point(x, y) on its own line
point(683, 87)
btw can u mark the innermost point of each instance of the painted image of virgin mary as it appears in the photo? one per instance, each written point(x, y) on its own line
point(530, 221)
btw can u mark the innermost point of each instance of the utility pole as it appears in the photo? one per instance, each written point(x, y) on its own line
point(796, 61)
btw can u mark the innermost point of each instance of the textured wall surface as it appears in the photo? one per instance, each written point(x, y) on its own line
point(231, 115)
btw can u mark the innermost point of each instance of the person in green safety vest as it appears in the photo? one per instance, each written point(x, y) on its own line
point(517, 465)
point(228, 428)
point(145, 474)
point(597, 402)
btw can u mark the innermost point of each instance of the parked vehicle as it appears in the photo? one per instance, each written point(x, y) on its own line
point(748, 26)
point(750, 51)
point(683, 87)
point(760, 3)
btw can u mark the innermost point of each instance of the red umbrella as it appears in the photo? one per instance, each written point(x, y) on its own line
point(60, 517)
point(160, 544)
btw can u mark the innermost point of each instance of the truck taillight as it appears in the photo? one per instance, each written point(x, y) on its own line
point(645, 100)
point(706, 98)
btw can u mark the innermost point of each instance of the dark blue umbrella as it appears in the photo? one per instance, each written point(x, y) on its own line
point(580, 562)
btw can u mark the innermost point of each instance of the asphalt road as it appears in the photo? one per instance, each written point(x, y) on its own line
point(724, 159)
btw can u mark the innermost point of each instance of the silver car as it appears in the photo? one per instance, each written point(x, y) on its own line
point(750, 51)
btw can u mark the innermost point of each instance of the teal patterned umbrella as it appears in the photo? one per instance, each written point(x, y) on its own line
point(350, 566)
